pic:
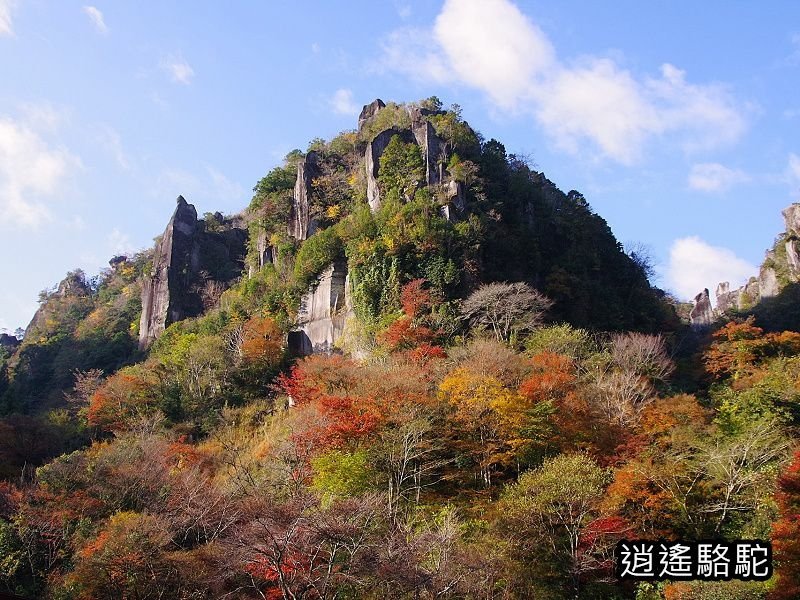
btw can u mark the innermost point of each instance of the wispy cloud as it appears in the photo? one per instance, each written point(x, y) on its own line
point(119, 242)
point(109, 138)
point(6, 22)
point(96, 17)
point(178, 69)
point(209, 185)
point(714, 177)
point(32, 170)
point(695, 265)
point(592, 103)
point(342, 103)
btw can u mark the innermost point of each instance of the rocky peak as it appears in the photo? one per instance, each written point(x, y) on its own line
point(701, 315)
point(791, 218)
point(8, 342)
point(176, 258)
point(369, 111)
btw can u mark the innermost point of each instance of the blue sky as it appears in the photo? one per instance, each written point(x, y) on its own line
point(679, 121)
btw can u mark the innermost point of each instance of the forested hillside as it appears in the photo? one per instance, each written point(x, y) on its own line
point(412, 367)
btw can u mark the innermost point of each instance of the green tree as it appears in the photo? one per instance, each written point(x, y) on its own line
point(401, 168)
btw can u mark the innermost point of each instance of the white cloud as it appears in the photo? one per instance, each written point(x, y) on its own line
point(178, 69)
point(42, 116)
point(591, 104)
point(96, 17)
point(714, 177)
point(6, 23)
point(30, 171)
point(599, 103)
point(695, 265)
point(342, 103)
point(413, 53)
point(491, 45)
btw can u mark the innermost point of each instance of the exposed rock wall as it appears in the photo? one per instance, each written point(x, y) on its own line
point(433, 149)
point(702, 314)
point(301, 223)
point(422, 132)
point(176, 258)
point(323, 312)
point(369, 111)
point(185, 259)
point(372, 159)
point(781, 266)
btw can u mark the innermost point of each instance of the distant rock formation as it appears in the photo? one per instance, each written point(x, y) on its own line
point(323, 312)
point(369, 111)
point(8, 342)
point(421, 132)
point(186, 258)
point(781, 267)
point(301, 223)
point(702, 314)
point(432, 147)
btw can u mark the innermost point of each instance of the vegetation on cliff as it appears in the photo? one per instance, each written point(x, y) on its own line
point(516, 398)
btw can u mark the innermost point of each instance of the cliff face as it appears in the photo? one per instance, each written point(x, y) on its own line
point(433, 150)
point(702, 314)
point(175, 260)
point(324, 309)
point(186, 258)
point(780, 268)
point(301, 223)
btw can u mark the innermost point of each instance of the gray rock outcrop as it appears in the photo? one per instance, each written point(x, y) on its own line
point(369, 111)
point(768, 286)
point(176, 259)
point(702, 314)
point(8, 342)
point(421, 132)
point(185, 259)
point(323, 312)
point(372, 158)
point(781, 266)
point(456, 203)
point(791, 217)
point(741, 298)
point(432, 147)
point(301, 223)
